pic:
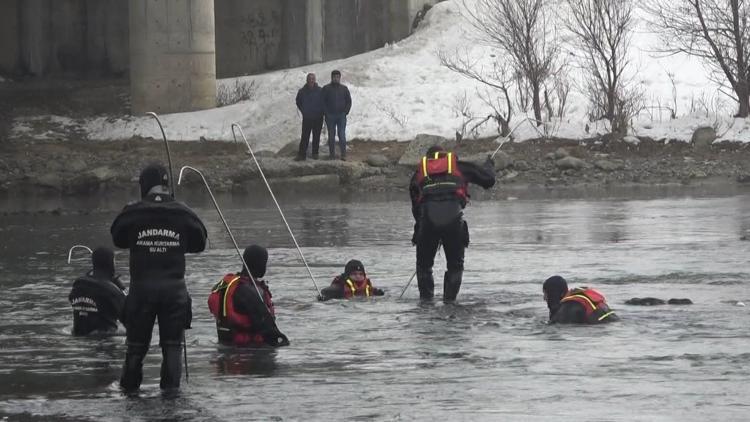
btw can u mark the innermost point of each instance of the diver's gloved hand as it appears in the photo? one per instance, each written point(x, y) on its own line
point(378, 292)
point(275, 338)
point(116, 281)
point(321, 298)
point(489, 162)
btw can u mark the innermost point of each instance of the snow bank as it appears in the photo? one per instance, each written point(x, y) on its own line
point(401, 90)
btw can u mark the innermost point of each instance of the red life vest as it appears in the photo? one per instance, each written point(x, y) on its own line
point(353, 288)
point(592, 301)
point(231, 325)
point(439, 176)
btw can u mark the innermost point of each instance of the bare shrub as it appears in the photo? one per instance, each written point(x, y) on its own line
point(673, 107)
point(498, 78)
point(523, 93)
point(242, 90)
point(462, 109)
point(712, 106)
point(630, 103)
point(717, 31)
point(500, 107)
point(394, 115)
point(522, 31)
point(602, 30)
point(556, 96)
point(562, 90)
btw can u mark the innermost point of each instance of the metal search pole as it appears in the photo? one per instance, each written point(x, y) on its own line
point(415, 273)
point(507, 137)
point(74, 247)
point(226, 226)
point(407, 285)
point(260, 170)
point(172, 188)
point(166, 147)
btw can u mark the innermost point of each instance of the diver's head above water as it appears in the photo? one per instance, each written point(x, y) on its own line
point(153, 175)
point(256, 257)
point(355, 270)
point(554, 288)
point(103, 261)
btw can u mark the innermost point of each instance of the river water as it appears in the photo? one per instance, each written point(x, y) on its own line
point(489, 357)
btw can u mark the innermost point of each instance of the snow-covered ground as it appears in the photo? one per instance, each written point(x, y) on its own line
point(401, 90)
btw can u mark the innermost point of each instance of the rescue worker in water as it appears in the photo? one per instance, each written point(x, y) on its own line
point(353, 282)
point(97, 297)
point(439, 193)
point(159, 231)
point(577, 306)
point(242, 319)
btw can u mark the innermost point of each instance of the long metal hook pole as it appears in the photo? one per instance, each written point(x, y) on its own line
point(407, 285)
point(166, 146)
point(415, 273)
point(74, 247)
point(260, 170)
point(172, 188)
point(507, 137)
point(229, 231)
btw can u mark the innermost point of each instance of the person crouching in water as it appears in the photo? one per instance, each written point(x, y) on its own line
point(242, 319)
point(577, 306)
point(97, 297)
point(352, 283)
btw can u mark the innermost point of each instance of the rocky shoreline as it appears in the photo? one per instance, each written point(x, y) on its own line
point(88, 168)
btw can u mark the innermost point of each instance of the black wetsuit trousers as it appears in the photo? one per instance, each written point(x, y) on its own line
point(170, 304)
point(454, 239)
point(452, 236)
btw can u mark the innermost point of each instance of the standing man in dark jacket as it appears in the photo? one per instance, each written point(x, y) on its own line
point(336, 105)
point(97, 297)
point(310, 104)
point(158, 231)
point(439, 193)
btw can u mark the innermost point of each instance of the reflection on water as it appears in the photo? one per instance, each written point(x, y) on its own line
point(256, 362)
point(325, 226)
point(489, 357)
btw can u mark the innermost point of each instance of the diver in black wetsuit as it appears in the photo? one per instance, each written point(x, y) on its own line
point(577, 306)
point(159, 232)
point(97, 297)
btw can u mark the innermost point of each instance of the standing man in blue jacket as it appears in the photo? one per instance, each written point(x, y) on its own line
point(336, 105)
point(310, 104)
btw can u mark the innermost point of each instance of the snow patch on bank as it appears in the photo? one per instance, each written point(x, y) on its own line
point(401, 90)
point(48, 127)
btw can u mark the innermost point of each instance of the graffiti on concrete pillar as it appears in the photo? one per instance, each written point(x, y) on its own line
point(260, 32)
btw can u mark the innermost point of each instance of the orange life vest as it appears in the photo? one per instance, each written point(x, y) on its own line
point(438, 176)
point(352, 288)
point(231, 325)
point(592, 301)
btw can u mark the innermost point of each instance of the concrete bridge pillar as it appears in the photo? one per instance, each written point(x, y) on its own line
point(314, 31)
point(172, 55)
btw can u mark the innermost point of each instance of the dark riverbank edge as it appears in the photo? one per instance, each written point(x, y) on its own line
point(77, 172)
